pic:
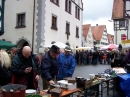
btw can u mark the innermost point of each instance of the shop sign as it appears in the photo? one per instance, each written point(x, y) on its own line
point(125, 41)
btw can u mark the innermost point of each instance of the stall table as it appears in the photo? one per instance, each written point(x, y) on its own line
point(65, 93)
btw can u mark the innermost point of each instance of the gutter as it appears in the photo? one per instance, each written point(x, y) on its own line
point(2, 17)
point(33, 26)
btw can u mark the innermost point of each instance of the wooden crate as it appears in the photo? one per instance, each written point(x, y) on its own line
point(88, 84)
point(56, 92)
point(71, 80)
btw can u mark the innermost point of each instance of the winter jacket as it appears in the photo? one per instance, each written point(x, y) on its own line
point(19, 65)
point(49, 66)
point(66, 66)
point(128, 57)
point(5, 75)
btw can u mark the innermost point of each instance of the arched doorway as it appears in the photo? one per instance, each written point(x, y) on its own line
point(22, 43)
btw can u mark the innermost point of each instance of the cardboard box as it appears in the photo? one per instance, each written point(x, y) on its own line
point(69, 86)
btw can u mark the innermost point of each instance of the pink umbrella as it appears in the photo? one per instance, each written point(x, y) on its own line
point(112, 46)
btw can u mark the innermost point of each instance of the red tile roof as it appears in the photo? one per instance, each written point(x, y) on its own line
point(118, 9)
point(86, 29)
point(98, 31)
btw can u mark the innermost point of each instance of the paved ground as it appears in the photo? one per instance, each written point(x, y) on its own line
point(85, 70)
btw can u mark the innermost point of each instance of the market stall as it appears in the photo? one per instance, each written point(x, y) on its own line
point(83, 86)
point(109, 47)
point(6, 45)
point(83, 48)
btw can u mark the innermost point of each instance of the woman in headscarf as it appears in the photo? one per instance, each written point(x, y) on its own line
point(5, 63)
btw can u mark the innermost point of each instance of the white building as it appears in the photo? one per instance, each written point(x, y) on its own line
point(100, 36)
point(39, 22)
point(121, 20)
point(87, 36)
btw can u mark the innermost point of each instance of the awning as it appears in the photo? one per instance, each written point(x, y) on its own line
point(6, 45)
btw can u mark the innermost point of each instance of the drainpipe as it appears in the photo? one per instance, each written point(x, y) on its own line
point(2, 16)
point(33, 26)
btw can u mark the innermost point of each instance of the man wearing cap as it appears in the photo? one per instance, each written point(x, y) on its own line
point(49, 66)
point(66, 64)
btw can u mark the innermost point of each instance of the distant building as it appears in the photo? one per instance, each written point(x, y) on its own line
point(99, 36)
point(39, 22)
point(121, 19)
point(110, 39)
point(87, 35)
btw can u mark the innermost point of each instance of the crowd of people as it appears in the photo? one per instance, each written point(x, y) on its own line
point(21, 66)
point(115, 58)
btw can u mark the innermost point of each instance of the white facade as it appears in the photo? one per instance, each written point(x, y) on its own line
point(119, 33)
point(120, 27)
point(89, 40)
point(128, 8)
point(62, 18)
point(40, 33)
point(12, 9)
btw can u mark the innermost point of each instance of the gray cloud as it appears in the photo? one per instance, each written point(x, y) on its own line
point(95, 9)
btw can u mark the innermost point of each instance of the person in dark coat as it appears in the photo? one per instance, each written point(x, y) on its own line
point(49, 66)
point(119, 56)
point(128, 61)
point(90, 57)
point(5, 73)
point(26, 68)
point(81, 57)
point(113, 56)
point(95, 57)
point(77, 57)
point(108, 57)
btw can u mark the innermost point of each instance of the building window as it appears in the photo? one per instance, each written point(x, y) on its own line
point(77, 12)
point(67, 28)
point(122, 23)
point(54, 23)
point(77, 32)
point(66, 1)
point(55, 2)
point(21, 20)
point(68, 6)
point(89, 36)
point(105, 30)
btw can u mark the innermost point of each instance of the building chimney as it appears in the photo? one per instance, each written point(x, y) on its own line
point(96, 24)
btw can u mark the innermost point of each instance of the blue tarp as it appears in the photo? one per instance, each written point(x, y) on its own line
point(125, 84)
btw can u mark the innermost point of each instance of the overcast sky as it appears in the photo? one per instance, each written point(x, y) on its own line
point(98, 12)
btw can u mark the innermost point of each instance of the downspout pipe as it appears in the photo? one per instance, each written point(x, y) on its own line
point(2, 17)
point(33, 29)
